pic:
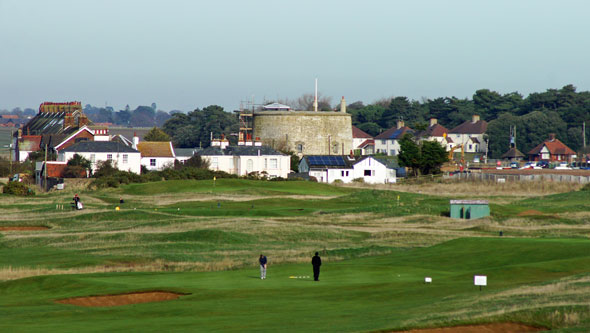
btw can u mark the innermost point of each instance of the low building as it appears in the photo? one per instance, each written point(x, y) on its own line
point(122, 157)
point(469, 209)
point(328, 168)
point(375, 170)
point(156, 155)
point(244, 160)
point(552, 150)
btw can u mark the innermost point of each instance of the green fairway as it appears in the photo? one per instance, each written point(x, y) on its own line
point(355, 295)
point(377, 246)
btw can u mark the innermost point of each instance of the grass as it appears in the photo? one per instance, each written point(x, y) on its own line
point(188, 237)
point(381, 292)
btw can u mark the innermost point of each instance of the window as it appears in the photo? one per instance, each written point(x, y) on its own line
point(125, 158)
point(469, 147)
point(109, 157)
point(342, 173)
point(300, 148)
point(266, 163)
point(383, 142)
point(152, 162)
point(368, 172)
point(392, 152)
point(92, 158)
point(274, 163)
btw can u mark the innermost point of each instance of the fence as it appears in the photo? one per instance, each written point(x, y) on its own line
point(515, 178)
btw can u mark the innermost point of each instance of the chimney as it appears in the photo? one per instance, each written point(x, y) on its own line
point(343, 105)
point(82, 120)
point(68, 120)
point(475, 118)
point(135, 140)
point(400, 124)
point(433, 121)
point(551, 137)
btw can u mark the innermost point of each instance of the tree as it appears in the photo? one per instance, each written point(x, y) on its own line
point(432, 157)
point(156, 134)
point(409, 154)
point(77, 166)
point(196, 161)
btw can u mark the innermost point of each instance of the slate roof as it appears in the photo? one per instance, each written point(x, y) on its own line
point(99, 147)
point(394, 133)
point(155, 149)
point(470, 127)
point(239, 151)
point(357, 133)
point(554, 146)
point(186, 152)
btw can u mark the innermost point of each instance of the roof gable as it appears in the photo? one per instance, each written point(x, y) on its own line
point(357, 133)
point(555, 147)
point(155, 149)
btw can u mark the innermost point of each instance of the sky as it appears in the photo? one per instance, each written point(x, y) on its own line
point(190, 54)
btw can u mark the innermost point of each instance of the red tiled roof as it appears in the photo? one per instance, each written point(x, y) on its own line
point(367, 143)
point(29, 143)
point(55, 169)
point(555, 147)
point(357, 133)
point(9, 116)
point(436, 130)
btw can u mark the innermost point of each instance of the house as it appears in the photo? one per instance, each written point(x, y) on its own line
point(58, 124)
point(123, 157)
point(244, 160)
point(513, 155)
point(436, 132)
point(388, 141)
point(362, 142)
point(328, 168)
point(375, 170)
point(552, 150)
point(470, 134)
point(156, 155)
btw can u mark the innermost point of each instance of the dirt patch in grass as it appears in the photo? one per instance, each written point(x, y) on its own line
point(484, 328)
point(22, 228)
point(121, 299)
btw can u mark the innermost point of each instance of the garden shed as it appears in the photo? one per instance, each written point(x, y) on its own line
point(469, 209)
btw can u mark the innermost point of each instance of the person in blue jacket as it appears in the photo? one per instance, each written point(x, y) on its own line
point(262, 260)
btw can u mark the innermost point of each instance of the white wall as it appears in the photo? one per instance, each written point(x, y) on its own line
point(379, 173)
point(161, 162)
point(133, 159)
point(273, 165)
point(387, 147)
point(330, 175)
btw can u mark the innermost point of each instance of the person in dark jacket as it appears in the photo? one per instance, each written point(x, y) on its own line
point(262, 260)
point(316, 261)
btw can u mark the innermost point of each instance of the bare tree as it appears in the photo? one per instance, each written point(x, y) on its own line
point(383, 102)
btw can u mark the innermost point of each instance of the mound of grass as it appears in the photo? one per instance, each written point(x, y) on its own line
point(239, 186)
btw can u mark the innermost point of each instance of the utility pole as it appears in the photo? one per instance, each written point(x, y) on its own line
point(10, 151)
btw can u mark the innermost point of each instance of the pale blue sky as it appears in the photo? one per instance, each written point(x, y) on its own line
point(188, 54)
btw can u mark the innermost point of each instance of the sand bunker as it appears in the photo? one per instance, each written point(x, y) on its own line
point(532, 212)
point(121, 299)
point(485, 328)
point(21, 228)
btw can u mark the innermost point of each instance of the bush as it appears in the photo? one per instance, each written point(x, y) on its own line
point(18, 188)
point(358, 180)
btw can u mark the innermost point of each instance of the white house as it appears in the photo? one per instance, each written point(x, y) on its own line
point(388, 141)
point(362, 141)
point(328, 168)
point(470, 134)
point(375, 170)
point(123, 157)
point(156, 155)
point(243, 160)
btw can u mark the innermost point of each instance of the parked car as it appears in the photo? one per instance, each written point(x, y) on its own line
point(562, 166)
point(543, 164)
point(514, 165)
point(530, 165)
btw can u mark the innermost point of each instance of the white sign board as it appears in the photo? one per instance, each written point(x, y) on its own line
point(427, 279)
point(480, 280)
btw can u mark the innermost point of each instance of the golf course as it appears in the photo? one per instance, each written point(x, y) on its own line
point(182, 255)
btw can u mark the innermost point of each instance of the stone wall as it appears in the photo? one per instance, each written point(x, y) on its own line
point(320, 133)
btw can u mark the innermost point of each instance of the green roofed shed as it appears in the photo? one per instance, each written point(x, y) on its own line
point(469, 209)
